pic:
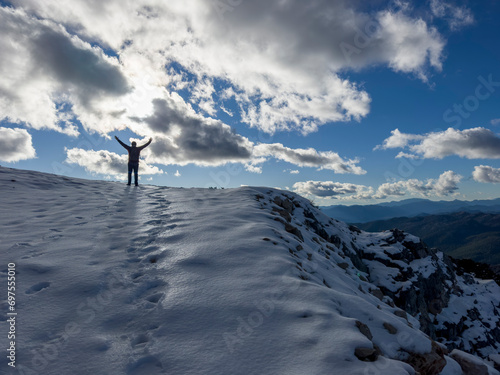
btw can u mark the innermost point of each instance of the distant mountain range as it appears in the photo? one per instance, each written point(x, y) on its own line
point(408, 208)
point(461, 234)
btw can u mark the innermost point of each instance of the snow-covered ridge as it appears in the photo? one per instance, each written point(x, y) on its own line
point(155, 280)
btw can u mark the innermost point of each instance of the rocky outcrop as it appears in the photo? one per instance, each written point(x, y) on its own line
point(469, 364)
point(366, 354)
point(401, 271)
point(431, 363)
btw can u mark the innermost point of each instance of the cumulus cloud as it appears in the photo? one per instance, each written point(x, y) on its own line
point(486, 174)
point(457, 17)
point(282, 63)
point(285, 61)
point(75, 66)
point(181, 137)
point(398, 140)
point(15, 145)
point(45, 74)
point(106, 162)
point(475, 143)
point(309, 158)
point(330, 189)
point(445, 185)
point(185, 137)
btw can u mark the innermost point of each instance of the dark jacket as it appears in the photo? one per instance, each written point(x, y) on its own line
point(133, 151)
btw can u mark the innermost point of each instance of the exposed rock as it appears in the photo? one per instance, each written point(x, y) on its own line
point(401, 314)
point(495, 359)
point(286, 203)
point(354, 229)
point(470, 365)
point(364, 329)
point(294, 230)
point(390, 328)
point(377, 293)
point(334, 239)
point(366, 354)
point(283, 213)
point(431, 363)
point(356, 257)
point(343, 265)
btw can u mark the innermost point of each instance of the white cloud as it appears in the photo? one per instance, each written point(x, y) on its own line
point(457, 17)
point(398, 140)
point(106, 162)
point(47, 76)
point(414, 44)
point(183, 136)
point(486, 174)
point(495, 121)
point(284, 60)
point(445, 185)
point(283, 63)
point(177, 173)
point(330, 189)
point(15, 145)
point(309, 158)
point(250, 167)
point(475, 143)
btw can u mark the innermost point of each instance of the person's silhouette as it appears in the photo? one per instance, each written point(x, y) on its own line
point(133, 159)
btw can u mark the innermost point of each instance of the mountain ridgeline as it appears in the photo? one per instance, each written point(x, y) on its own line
point(408, 208)
point(461, 235)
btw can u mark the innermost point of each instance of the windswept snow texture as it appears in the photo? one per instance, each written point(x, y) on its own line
point(113, 279)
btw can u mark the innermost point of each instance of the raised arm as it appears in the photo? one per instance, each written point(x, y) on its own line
point(147, 144)
point(123, 144)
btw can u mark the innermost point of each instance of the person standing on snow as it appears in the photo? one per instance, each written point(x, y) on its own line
point(133, 159)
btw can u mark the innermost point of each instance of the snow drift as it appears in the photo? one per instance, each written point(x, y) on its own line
point(112, 279)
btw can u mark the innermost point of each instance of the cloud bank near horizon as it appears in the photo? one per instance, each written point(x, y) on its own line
point(445, 185)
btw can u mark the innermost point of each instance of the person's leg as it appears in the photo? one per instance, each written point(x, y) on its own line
point(129, 173)
point(136, 174)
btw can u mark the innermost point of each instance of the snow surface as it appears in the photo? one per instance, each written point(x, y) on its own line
point(113, 279)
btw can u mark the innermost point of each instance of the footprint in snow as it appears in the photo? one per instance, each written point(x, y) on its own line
point(38, 287)
point(140, 341)
point(146, 365)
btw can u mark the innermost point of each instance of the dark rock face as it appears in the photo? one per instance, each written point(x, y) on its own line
point(403, 272)
point(469, 367)
point(363, 328)
point(294, 230)
point(429, 363)
point(366, 354)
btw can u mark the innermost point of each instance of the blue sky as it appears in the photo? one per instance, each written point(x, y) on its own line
point(343, 102)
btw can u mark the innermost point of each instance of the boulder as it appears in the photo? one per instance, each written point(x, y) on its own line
point(470, 365)
point(431, 363)
point(364, 329)
point(390, 328)
point(366, 354)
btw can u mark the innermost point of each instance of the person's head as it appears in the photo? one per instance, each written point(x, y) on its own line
point(134, 144)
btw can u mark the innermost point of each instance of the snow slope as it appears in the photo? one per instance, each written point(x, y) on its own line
point(114, 279)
